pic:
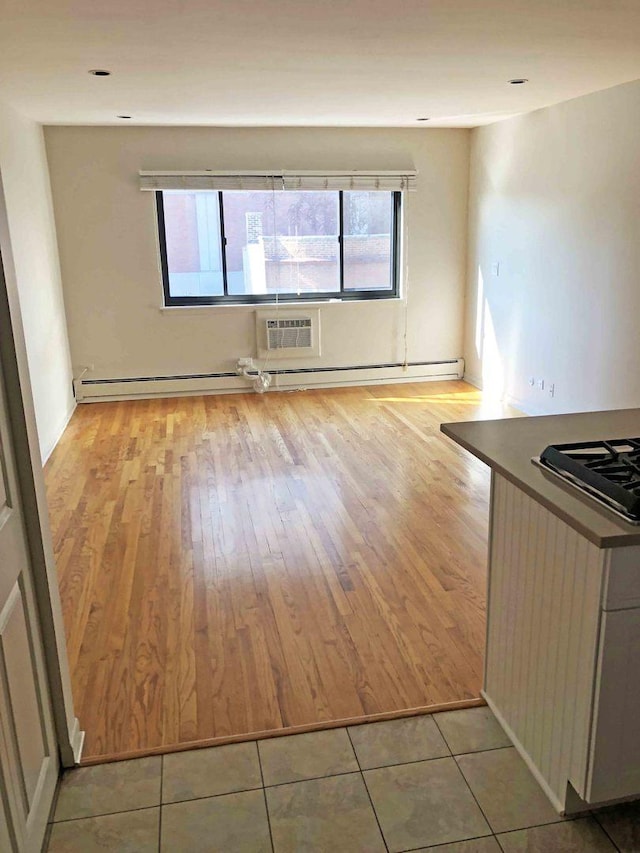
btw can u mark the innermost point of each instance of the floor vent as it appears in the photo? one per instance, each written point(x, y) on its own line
point(289, 333)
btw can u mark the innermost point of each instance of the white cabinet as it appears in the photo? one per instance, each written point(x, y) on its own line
point(562, 669)
point(614, 762)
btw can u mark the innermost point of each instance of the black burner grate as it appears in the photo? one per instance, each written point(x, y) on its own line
point(611, 468)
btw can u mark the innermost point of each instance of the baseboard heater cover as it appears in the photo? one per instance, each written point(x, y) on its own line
point(194, 382)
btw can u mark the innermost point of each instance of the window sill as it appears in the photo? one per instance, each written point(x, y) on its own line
point(259, 306)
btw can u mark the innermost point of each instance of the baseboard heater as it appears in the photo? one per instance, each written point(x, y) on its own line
point(87, 390)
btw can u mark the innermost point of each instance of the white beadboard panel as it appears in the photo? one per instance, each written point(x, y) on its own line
point(542, 638)
point(559, 805)
point(615, 760)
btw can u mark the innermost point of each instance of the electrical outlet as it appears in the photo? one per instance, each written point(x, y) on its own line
point(540, 384)
point(245, 362)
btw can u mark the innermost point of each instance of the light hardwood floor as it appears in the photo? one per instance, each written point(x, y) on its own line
point(237, 564)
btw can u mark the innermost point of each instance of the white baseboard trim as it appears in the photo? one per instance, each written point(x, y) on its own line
point(135, 389)
point(77, 741)
point(48, 450)
point(71, 744)
point(508, 399)
point(476, 381)
point(525, 407)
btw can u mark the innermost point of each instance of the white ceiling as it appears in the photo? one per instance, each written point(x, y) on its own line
point(309, 62)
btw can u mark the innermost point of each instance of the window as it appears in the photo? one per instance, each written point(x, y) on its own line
point(236, 246)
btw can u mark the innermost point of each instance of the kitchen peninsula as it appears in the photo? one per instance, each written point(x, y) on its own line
point(562, 667)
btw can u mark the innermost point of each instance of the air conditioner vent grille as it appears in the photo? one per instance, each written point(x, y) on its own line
point(289, 333)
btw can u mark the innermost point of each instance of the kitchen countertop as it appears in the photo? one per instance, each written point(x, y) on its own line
point(507, 446)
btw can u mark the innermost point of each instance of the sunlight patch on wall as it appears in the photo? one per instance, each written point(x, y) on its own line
point(492, 368)
point(487, 349)
point(479, 314)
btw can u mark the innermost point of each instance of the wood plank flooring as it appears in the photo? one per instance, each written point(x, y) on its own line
point(237, 564)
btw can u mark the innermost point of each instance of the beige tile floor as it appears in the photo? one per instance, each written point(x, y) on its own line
point(448, 783)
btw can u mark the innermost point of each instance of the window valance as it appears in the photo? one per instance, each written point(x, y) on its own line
point(285, 180)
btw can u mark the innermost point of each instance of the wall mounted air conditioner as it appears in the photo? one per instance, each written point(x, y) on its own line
point(293, 333)
point(288, 333)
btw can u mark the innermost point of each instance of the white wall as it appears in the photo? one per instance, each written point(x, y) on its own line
point(109, 257)
point(25, 177)
point(555, 201)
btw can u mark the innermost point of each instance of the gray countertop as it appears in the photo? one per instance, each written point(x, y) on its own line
point(507, 446)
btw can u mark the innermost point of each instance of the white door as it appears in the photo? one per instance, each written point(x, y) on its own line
point(28, 754)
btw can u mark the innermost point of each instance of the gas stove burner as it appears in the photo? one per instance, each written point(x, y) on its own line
point(607, 470)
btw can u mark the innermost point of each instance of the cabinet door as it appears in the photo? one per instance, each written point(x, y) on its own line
point(614, 769)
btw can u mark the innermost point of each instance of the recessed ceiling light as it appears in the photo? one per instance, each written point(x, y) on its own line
point(518, 81)
point(422, 119)
point(123, 116)
point(99, 72)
